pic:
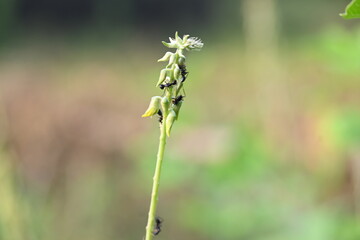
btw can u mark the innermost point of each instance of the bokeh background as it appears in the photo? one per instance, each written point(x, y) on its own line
point(268, 142)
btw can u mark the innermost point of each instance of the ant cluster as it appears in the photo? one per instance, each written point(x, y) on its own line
point(175, 101)
point(184, 73)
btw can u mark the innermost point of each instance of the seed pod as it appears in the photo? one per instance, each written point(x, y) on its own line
point(170, 119)
point(153, 108)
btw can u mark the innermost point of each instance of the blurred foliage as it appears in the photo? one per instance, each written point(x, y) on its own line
point(352, 10)
point(339, 49)
point(7, 17)
point(252, 158)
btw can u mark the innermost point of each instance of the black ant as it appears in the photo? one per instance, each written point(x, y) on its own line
point(157, 228)
point(160, 116)
point(162, 86)
point(177, 99)
point(184, 72)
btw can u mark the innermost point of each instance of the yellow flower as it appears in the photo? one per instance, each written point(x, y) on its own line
point(153, 108)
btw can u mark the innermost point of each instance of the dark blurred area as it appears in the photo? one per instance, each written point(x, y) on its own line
point(109, 15)
point(267, 145)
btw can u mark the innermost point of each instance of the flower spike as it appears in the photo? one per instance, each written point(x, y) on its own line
point(167, 107)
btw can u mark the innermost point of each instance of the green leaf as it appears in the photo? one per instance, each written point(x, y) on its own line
point(352, 10)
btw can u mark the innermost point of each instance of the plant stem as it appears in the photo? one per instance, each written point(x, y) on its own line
point(156, 182)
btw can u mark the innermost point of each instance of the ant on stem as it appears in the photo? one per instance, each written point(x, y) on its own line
point(178, 99)
point(159, 113)
point(162, 86)
point(184, 72)
point(157, 228)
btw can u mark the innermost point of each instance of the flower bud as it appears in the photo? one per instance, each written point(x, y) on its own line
point(162, 77)
point(181, 60)
point(165, 104)
point(177, 72)
point(170, 119)
point(171, 44)
point(178, 39)
point(171, 60)
point(185, 38)
point(153, 108)
point(176, 108)
point(166, 57)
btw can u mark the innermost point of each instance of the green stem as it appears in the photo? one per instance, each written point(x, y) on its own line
point(156, 182)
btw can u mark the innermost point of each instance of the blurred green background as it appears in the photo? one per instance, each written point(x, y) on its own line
point(268, 142)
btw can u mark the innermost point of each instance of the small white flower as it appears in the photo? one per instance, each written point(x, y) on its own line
point(193, 43)
point(188, 43)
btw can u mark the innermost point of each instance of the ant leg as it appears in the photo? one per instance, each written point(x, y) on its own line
point(183, 89)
